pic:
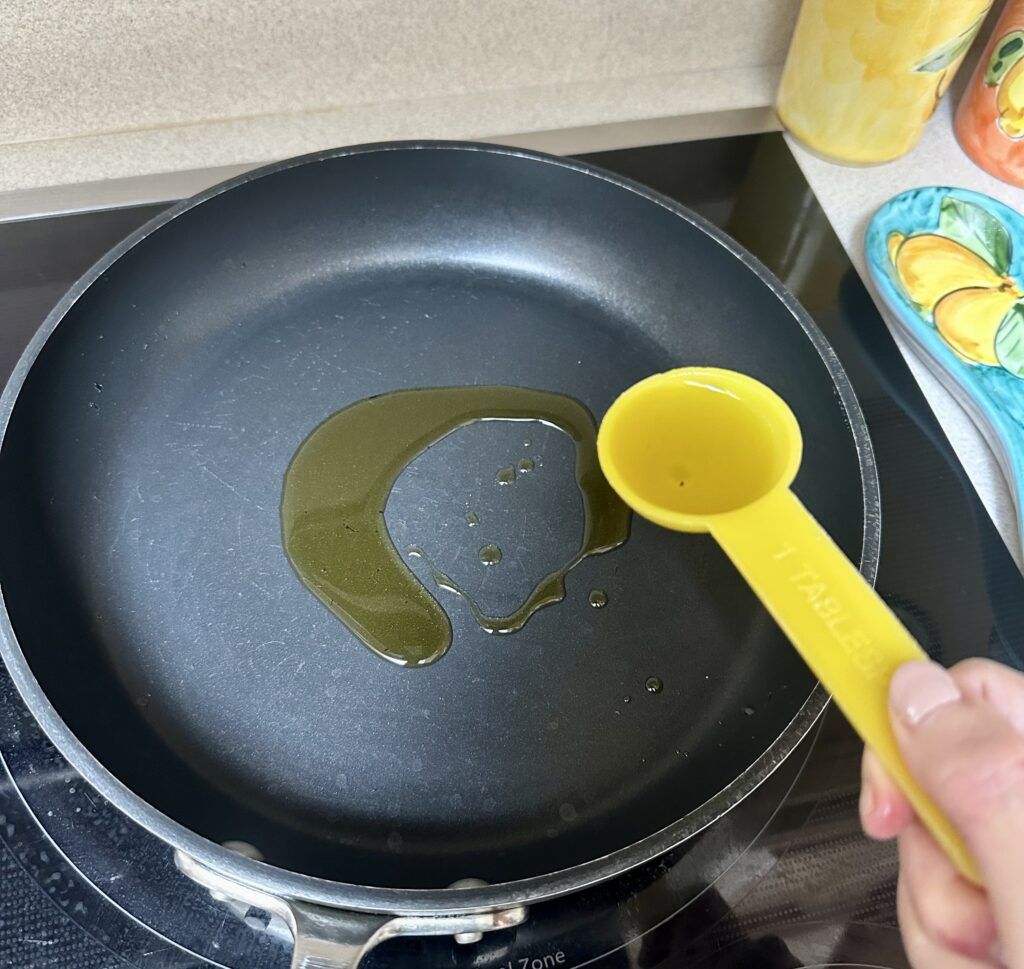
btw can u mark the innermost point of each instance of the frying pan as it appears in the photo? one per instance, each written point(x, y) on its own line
point(155, 627)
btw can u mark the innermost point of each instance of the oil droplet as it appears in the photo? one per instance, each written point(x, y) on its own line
point(490, 555)
point(749, 711)
point(567, 812)
point(505, 476)
point(598, 599)
point(654, 684)
point(472, 518)
point(337, 485)
point(627, 699)
point(525, 466)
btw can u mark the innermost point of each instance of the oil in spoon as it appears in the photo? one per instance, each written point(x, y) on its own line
point(336, 489)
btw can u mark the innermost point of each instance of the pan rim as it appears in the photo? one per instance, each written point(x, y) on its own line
point(406, 901)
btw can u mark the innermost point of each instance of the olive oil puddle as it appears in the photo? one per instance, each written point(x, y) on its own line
point(336, 489)
point(549, 590)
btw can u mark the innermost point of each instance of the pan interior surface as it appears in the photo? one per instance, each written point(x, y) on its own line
point(143, 570)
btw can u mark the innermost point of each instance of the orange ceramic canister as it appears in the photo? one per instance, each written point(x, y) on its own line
point(990, 117)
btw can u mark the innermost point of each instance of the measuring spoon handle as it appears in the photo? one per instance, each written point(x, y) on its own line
point(840, 626)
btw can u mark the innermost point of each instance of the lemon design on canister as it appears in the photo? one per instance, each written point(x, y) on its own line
point(967, 298)
point(1005, 72)
point(1010, 101)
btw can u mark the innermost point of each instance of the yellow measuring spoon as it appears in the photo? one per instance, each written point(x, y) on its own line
point(708, 450)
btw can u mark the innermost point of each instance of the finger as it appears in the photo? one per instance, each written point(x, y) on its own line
point(951, 913)
point(922, 951)
point(883, 808)
point(884, 811)
point(970, 759)
point(995, 684)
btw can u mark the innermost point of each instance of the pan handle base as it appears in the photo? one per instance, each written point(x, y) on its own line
point(327, 938)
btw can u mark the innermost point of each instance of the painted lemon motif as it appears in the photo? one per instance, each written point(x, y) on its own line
point(1010, 101)
point(968, 320)
point(966, 296)
point(930, 266)
point(1005, 73)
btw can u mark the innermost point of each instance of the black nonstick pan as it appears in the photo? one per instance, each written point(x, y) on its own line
point(156, 628)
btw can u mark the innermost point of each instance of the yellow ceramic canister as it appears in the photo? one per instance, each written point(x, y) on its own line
point(863, 76)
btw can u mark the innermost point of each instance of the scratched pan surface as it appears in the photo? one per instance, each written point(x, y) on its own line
point(158, 630)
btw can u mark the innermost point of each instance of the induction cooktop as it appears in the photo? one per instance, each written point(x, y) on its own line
point(785, 880)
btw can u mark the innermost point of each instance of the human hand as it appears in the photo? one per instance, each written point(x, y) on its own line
point(961, 732)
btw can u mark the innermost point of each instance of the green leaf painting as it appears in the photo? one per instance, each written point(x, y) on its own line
point(978, 230)
point(951, 51)
point(1010, 341)
point(1009, 50)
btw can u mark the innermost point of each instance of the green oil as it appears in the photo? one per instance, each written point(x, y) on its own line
point(337, 486)
point(490, 555)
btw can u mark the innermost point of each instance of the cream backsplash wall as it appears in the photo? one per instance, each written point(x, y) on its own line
point(95, 90)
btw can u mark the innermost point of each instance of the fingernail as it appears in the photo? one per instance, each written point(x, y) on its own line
point(919, 688)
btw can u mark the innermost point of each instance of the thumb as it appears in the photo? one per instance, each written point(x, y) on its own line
point(970, 759)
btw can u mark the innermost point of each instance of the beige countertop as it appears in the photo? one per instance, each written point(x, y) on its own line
point(122, 89)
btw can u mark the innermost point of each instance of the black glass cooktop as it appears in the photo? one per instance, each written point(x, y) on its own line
point(785, 880)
